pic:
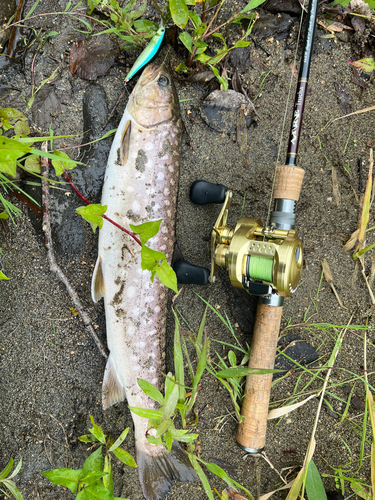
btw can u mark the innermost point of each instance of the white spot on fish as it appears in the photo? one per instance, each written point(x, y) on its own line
point(148, 299)
point(151, 333)
point(129, 189)
point(135, 206)
point(166, 192)
point(141, 345)
point(149, 146)
point(152, 355)
point(157, 309)
point(160, 176)
point(167, 202)
point(164, 230)
point(164, 158)
point(170, 168)
point(169, 213)
point(163, 247)
point(130, 291)
point(154, 381)
point(152, 369)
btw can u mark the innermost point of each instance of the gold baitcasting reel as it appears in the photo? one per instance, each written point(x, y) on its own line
point(263, 260)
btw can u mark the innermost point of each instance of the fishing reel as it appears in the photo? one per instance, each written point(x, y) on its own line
point(263, 260)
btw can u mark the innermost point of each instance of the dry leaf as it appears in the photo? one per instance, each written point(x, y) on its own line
point(326, 271)
point(335, 188)
point(279, 412)
point(351, 241)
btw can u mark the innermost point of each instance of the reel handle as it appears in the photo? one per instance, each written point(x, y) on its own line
point(251, 434)
point(187, 274)
point(202, 192)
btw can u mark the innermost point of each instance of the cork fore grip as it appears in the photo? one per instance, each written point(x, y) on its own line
point(288, 182)
point(251, 434)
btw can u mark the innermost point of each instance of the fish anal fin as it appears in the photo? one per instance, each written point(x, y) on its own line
point(97, 282)
point(113, 391)
point(125, 143)
point(157, 470)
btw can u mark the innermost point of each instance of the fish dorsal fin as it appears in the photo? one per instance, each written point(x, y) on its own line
point(112, 391)
point(97, 283)
point(125, 143)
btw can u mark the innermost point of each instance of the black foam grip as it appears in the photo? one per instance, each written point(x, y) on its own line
point(202, 192)
point(187, 274)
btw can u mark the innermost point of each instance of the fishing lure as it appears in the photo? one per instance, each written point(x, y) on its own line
point(148, 53)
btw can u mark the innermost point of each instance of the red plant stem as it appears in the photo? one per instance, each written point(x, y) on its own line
point(130, 233)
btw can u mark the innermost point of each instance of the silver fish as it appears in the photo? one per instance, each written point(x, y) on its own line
point(140, 185)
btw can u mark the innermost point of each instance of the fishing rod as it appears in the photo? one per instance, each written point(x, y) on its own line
point(265, 260)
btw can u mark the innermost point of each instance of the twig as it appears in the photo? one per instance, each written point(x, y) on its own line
point(51, 257)
point(130, 233)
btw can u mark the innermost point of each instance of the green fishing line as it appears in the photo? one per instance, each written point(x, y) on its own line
point(260, 268)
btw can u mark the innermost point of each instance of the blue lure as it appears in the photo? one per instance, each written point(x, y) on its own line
point(148, 53)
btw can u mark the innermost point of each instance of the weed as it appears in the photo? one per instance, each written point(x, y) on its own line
point(6, 479)
point(94, 480)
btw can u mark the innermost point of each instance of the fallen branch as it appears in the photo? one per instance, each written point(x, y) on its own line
point(54, 267)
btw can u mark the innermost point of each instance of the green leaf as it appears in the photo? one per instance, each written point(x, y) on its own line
point(3, 277)
point(168, 440)
point(16, 470)
point(85, 439)
point(218, 35)
point(147, 230)
point(367, 64)
point(20, 128)
point(91, 477)
point(96, 430)
point(179, 11)
point(163, 427)
point(32, 164)
point(179, 361)
point(201, 46)
point(360, 490)
point(222, 80)
point(202, 476)
point(187, 438)
point(154, 440)
point(9, 465)
point(241, 43)
point(119, 440)
point(314, 485)
point(125, 457)
point(65, 477)
point(10, 151)
point(143, 412)
point(95, 491)
point(167, 276)
point(197, 21)
point(12, 113)
point(186, 40)
point(61, 166)
point(181, 67)
point(108, 478)
point(149, 258)
point(242, 372)
point(169, 385)
point(93, 463)
point(12, 488)
point(253, 4)
point(143, 25)
point(232, 358)
point(93, 214)
point(151, 391)
point(170, 403)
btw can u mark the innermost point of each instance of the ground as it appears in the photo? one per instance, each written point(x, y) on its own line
point(51, 371)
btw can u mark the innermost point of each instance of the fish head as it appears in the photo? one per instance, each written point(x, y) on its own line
point(154, 99)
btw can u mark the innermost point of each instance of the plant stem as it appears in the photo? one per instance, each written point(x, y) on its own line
point(130, 233)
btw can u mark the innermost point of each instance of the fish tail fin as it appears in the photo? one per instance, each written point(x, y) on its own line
point(157, 470)
point(112, 391)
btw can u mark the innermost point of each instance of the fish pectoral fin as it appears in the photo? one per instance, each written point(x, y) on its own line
point(97, 282)
point(113, 391)
point(125, 143)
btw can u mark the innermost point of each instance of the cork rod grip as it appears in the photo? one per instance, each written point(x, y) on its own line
point(251, 434)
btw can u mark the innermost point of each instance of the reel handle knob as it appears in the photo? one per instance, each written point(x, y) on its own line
point(187, 274)
point(202, 192)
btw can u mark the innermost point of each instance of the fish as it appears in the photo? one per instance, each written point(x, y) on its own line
point(148, 53)
point(140, 185)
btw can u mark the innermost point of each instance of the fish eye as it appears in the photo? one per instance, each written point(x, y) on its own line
point(164, 81)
